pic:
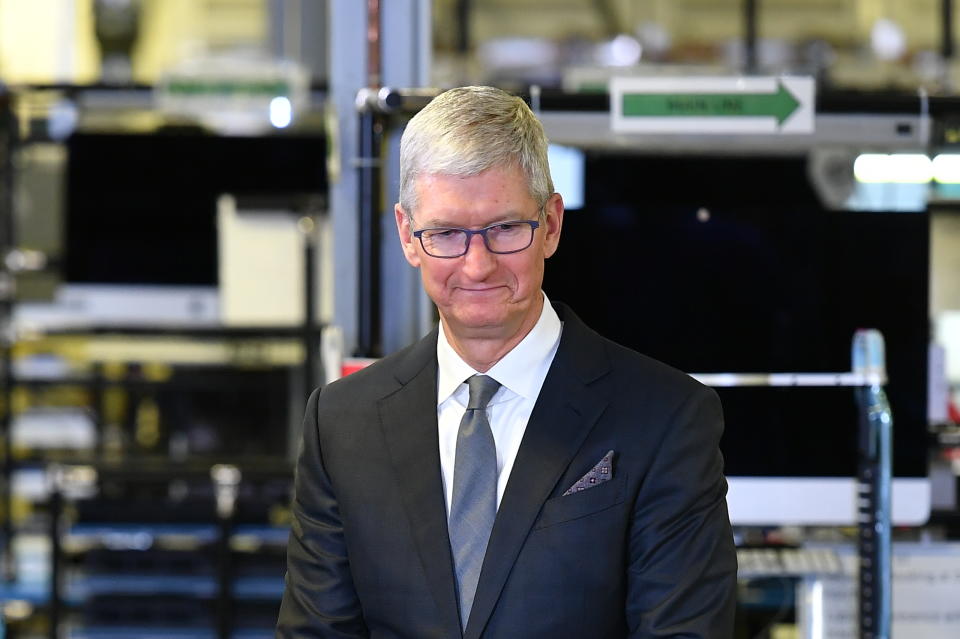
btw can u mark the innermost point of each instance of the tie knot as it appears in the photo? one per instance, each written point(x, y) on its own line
point(482, 389)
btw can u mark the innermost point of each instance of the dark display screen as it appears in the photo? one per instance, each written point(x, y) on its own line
point(732, 265)
point(142, 209)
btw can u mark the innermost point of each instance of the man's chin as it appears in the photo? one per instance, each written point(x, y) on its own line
point(478, 322)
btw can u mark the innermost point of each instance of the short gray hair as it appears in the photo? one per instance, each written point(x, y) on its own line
point(468, 130)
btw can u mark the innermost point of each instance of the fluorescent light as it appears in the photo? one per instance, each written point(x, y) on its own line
point(914, 168)
point(870, 167)
point(946, 168)
point(281, 112)
point(900, 168)
point(816, 609)
point(567, 170)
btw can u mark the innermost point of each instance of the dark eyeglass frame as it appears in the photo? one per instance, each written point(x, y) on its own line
point(534, 225)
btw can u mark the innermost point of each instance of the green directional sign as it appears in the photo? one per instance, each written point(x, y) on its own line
point(687, 105)
point(780, 105)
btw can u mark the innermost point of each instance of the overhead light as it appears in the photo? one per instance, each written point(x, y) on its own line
point(281, 112)
point(870, 167)
point(887, 39)
point(622, 51)
point(899, 168)
point(946, 168)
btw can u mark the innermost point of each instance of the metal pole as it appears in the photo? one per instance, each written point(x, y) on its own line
point(463, 27)
point(224, 581)
point(373, 43)
point(874, 474)
point(56, 551)
point(97, 403)
point(874, 539)
point(8, 138)
point(368, 161)
point(6, 419)
point(348, 73)
point(946, 30)
point(369, 170)
point(311, 337)
point(750, 36)
point(226, 482)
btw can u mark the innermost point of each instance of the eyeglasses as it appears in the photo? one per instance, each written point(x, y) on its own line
point(501, 238)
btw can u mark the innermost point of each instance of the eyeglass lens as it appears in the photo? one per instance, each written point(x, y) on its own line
point(502, 238)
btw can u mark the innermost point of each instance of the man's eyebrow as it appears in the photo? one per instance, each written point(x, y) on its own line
point(435, 222)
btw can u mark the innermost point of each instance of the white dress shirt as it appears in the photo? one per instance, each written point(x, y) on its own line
point(521, 373)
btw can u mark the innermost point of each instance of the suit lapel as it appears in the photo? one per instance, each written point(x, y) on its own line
point(564, 414)
point(409, 423)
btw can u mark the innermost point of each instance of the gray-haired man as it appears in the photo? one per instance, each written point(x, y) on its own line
point(513, 474)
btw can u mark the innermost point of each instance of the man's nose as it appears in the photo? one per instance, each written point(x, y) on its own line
point(478, 262)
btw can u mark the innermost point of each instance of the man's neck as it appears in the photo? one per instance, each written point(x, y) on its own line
point(480, 351)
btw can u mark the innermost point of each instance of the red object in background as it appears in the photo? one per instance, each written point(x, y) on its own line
point(353, 364)
point(953, 413)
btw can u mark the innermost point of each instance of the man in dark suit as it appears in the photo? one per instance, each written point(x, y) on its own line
point(513, 474)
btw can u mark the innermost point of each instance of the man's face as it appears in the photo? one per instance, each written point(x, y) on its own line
point(482, 294)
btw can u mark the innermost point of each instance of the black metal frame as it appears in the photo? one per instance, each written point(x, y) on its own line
point(56, 554)
point(750, 53)
point(947, 43)
point(8, 142)
point(223, 517)
point(309, 333)
point(369, 171)
point(874, 542)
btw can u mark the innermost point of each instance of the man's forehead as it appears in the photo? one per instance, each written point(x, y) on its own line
point(512, 169)
point(497, 180)
point(466, 219)
point(496, 194)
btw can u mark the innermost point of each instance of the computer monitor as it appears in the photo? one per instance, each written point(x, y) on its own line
point(141, 215)
point(731, 265)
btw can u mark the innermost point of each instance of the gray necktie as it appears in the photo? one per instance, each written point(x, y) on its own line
point(474, 503)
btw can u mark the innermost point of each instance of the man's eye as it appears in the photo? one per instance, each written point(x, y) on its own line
point(443, 233)
point(508, 227)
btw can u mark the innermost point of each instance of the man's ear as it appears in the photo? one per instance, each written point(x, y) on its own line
point(407, 241)
point(553, 223)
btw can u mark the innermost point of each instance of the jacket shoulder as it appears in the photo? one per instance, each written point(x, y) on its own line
point(383, 376)
point(628, 362)
point(595, 358)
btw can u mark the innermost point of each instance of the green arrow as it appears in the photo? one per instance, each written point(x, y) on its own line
point(779, 105)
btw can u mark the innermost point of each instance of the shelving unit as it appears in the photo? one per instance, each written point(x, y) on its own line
point(113, 552)
point(175, 551)
point(161, 405)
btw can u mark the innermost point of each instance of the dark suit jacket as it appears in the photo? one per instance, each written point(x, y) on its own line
point(647, 554)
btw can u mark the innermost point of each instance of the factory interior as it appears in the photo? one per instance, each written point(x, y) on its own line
point(197, 229)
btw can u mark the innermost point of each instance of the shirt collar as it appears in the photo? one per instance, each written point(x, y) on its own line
point(533, 353)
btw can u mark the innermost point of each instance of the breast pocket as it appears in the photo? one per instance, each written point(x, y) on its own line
point(584, 503)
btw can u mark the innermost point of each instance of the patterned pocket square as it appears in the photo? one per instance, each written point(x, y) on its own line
point(600, 473)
